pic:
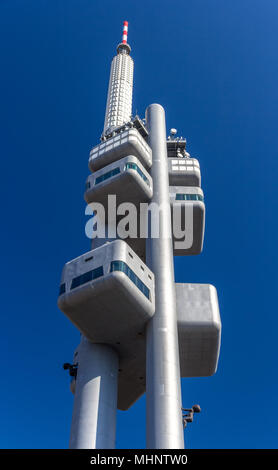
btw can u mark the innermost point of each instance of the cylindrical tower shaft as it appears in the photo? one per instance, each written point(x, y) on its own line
point(119, 97)
point(95, 403)
point(95, 399)
point(163, 388)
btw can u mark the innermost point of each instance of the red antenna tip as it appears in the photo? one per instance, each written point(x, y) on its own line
point(125, 28)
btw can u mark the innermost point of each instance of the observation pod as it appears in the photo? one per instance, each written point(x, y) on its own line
point(188, 213)
point(110, 285)
point(107, 285)
point(199, 332)
point(123, 181)
point(126, 178)
point(184, 172)
point(199, 329)
point(127, 142)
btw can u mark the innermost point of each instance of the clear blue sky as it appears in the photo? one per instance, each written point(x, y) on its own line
point(213, 65)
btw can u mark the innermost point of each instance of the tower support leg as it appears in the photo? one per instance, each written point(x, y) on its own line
point(95, 400)
point(163, 388)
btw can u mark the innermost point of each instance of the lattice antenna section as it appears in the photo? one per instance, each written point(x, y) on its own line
point(119, 98)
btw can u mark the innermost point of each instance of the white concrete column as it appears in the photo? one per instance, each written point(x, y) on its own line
point(95, 399)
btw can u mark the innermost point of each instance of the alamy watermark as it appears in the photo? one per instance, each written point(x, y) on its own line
point(128, 221)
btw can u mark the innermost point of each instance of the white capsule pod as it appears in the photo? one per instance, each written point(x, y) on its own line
point(184, 172)
point(126, 178)
point(127, 142)
point(199, 329)
point(199, 332)
point(120, 188)
point(188, 219)
point(108, 294)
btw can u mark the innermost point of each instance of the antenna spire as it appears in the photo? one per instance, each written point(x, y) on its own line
point(124, 47)
point(119, 97)
point(125, 29)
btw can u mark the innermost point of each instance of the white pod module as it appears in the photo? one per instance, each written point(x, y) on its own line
point(123, 181)
point(199, 332)
point(199, 329)
point(110, 285)
point(187, 201)
point(184, 172)
point(128, 142)
point(126, 178)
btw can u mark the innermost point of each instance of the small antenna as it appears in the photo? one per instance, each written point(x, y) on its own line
point(125, 29)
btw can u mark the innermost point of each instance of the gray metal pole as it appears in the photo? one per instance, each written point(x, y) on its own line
point(163, 388)
point(95, 399)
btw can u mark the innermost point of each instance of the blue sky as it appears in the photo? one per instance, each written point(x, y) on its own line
point(214, 67)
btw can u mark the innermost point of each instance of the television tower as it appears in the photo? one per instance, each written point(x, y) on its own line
point(141, 331)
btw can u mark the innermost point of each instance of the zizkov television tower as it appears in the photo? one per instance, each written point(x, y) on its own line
point(141, 331)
